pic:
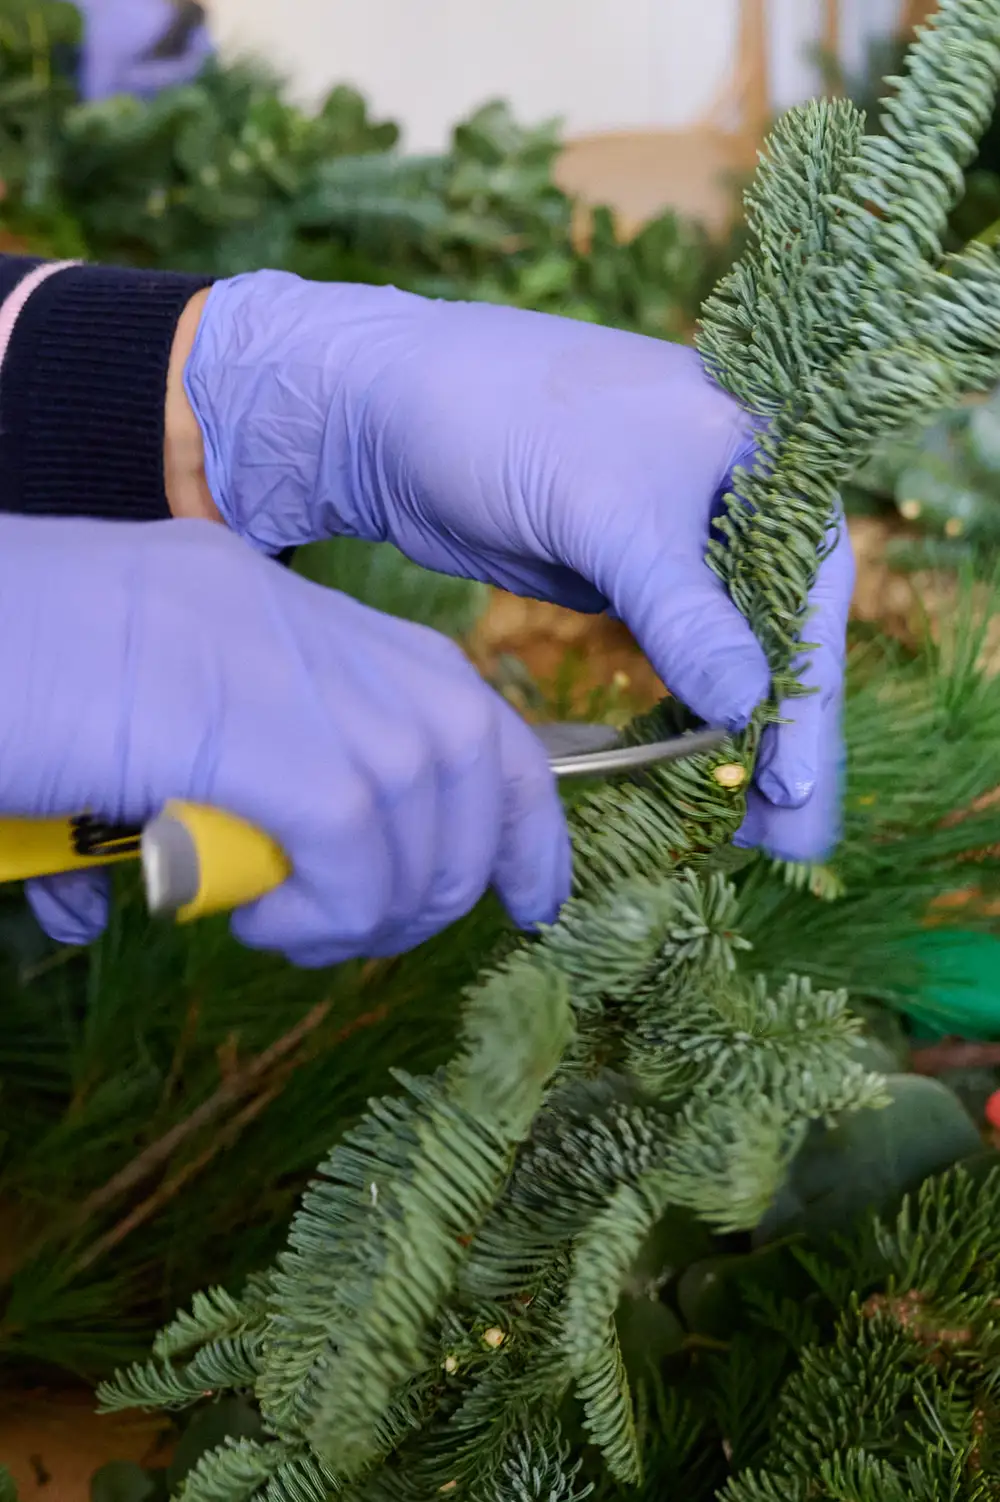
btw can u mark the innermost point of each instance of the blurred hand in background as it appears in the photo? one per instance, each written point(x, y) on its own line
point(141, 46)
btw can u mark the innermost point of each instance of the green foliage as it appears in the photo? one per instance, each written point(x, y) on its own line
point(900, 1402)
point(878, 327)
point(941, 475)
point(35, 93)
point(944, 479)
point(866, 1163)
point(84, 1094)
point(8, 1491)
point(537, 1473)
point(225, 175)
point(126, 1481)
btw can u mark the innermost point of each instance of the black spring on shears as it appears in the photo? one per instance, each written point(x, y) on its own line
point(95, 838)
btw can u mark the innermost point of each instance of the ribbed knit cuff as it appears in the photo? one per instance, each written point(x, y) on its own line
point(82, 391)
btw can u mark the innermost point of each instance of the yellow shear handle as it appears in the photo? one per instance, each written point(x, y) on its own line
point(198, 861)
point(45, 847)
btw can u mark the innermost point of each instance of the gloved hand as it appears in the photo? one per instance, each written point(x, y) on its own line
point(557, 459)
point(169, 660)
point(140, 46)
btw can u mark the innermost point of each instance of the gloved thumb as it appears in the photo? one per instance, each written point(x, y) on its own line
point(700, 645)
point(72, 907)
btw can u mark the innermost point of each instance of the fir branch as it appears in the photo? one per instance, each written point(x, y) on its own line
point(300, 1479)
point(603, 1388)
point(900, 1403)
point(745, 338)
point(944, 1236)
point(516, 1027)
point(536, 1472)
point(455, 1174)
point(608, 945)
point(738, 1040)
point(912, 173)
point(727, 1161)
point(231, 1363)
point(585, 1146)
point(509, 1383)
point(215, 1315)
point(235, 1471)
point(602, 1258)
point(674, 815)
point(457, 1169)
point(336, 1240)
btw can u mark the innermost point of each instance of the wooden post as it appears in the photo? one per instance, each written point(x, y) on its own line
point(915, 12)
point(831, 29)
point(756, 70)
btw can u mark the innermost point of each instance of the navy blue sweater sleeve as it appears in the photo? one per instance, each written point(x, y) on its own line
point(82, 390)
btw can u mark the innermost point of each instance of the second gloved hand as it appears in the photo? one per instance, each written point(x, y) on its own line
point(578, 464)
point(169, 660)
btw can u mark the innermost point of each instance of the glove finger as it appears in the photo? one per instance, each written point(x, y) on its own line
point(811, 830)
point(650, 566)
point(469, 805)
point(699, 644)
point(534, 865)
point(443, 819)
point(795, 754)
point(73, 907)
point(342, 881)
point(501, 824)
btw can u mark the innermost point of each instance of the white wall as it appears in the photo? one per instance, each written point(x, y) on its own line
point(598, 64)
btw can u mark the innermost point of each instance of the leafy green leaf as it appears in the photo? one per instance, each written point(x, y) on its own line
point(124, 1481)
point(869, 1161)
point(230, 1418)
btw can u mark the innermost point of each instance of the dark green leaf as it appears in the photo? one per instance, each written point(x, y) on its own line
point(124, 1481)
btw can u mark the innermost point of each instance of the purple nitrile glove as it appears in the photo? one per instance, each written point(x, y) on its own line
point(556, 459)
point(140, 46)
point(170, 660)
point(803, 823)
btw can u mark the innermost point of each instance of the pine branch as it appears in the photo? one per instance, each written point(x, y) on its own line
point(176, 1182)
point(236, 1471)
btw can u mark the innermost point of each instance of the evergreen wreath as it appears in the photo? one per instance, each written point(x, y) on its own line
point(447, 1300)
point(898, 1404)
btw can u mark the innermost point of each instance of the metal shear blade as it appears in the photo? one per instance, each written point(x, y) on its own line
point(596, 750)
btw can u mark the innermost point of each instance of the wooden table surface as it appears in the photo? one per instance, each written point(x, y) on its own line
point(52, 1443)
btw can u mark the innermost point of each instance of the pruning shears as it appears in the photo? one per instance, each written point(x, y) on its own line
point(198, 860)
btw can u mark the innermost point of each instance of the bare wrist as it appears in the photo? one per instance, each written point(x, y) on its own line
point(188, 494)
